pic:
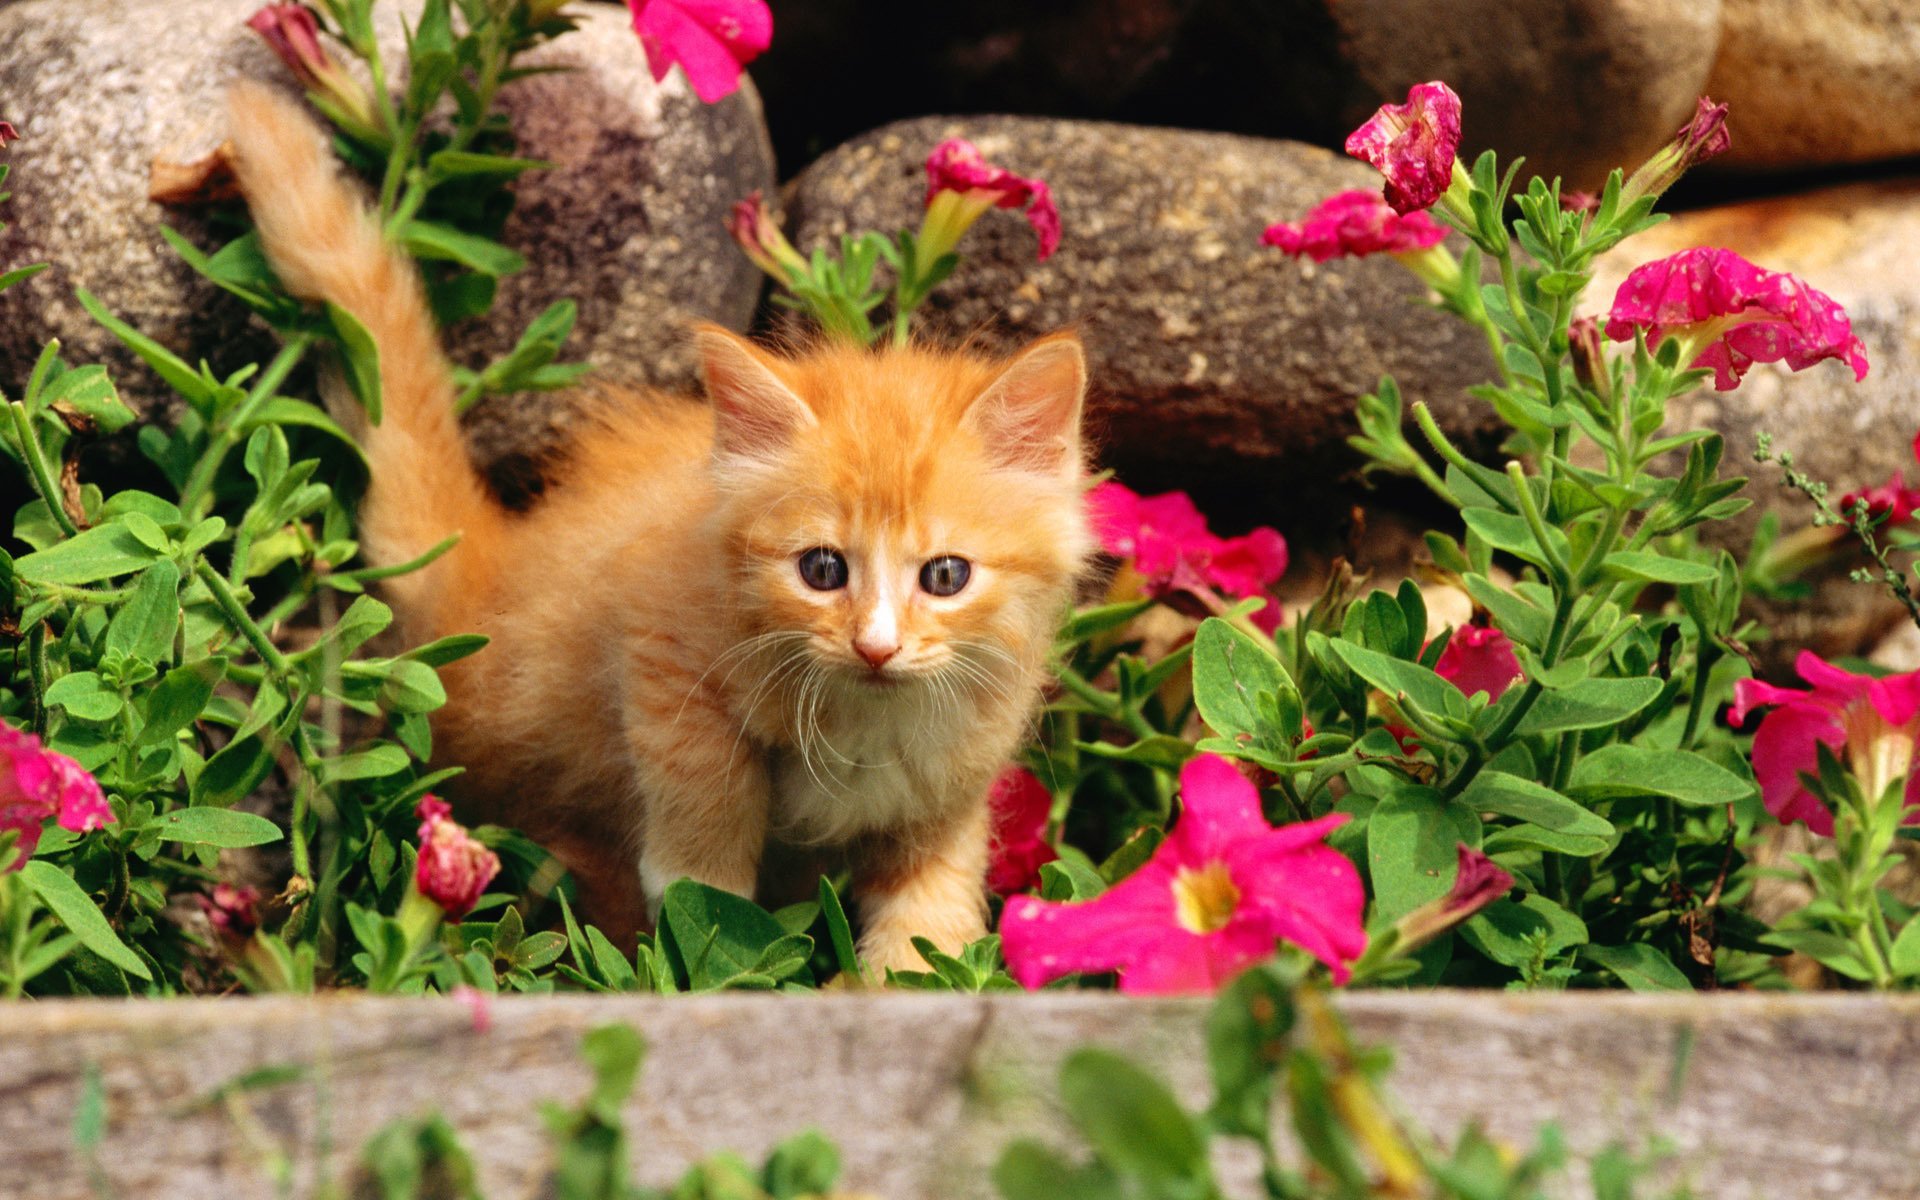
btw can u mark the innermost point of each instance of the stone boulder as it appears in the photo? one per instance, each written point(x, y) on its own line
point(1579, 86)
point(1819, 82)
point(630, 222)
point(1857, 244)
point(1217, 363)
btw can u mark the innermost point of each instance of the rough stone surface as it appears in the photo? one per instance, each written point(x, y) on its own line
point(922, 1092)
point(1578, 85)
point(630, 223)
point(1857, 244)
point(1819, 82)
point(1212, 357)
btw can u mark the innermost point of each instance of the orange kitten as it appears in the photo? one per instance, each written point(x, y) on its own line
point(817, 608)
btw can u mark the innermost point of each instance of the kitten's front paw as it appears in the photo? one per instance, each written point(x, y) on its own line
point(892, 949)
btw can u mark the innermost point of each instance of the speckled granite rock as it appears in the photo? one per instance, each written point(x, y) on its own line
point(1857, 244)
point(630, 223)
point(1211, 355)
point(1817, 82)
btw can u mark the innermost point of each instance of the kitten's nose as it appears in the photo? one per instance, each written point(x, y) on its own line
point(875, 652)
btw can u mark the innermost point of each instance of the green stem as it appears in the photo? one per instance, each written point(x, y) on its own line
point(1535, 522)
point(37, 667)
point(1423, 417)
point(197, 496)
point(37, 471)
point(223, 595)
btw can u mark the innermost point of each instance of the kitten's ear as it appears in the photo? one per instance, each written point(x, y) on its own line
point(1030, 416)
point(755, 414)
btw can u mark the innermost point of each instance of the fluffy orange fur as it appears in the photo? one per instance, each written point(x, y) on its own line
point(663, 691)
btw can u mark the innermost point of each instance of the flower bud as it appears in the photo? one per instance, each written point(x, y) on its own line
point(1700, 139)
point(1478, 883)
point(1589, 360)
point(758, 235)
point(8, 134)
point(453, 869)
point(291, 31)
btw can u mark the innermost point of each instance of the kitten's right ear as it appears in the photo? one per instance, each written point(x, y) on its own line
point(756, 415)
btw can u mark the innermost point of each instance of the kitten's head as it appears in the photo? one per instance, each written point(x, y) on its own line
point(901, 515)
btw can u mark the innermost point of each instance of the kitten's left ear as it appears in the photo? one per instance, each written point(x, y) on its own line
point(1030, 416)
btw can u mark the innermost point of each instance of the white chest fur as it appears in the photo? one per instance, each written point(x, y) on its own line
point(865, 767)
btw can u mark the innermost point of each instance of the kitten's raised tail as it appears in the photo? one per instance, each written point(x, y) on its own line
point(326, 247)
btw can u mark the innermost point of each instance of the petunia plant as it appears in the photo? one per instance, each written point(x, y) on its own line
point(841, 293)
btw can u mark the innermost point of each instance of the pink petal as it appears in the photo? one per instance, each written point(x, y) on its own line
point(1043, 940)
point(1413, 145)
point(1783, 748)
point(711, 40)
point(1113, 512)
point(1186, 964)
point(1309, 895)
point(1019, 804)
point(1479, 658)
point(1353, 225)
point(82, 805)
point(1245, 565)
point(1219, 808)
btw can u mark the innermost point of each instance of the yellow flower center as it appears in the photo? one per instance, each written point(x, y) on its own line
point(1204, 900)
point(1879, 754)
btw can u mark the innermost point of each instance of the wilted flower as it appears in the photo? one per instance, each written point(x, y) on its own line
point(453, 869)
point(37, 783)
point(1893, 501)
point(710, 40)
point(293, 34)
point(1586, 348)
point(758, 234)
point(8, 134)
point(1730, 314)
point(1353, 225)
point(1215, 897)
point(1871, 723)
point(233, 911)
point(1413, 145)
point(479, 1005)
point(1478, 882)
point(1702, 138)
point(962, 185)
point(1020, 805)
point(1172, 548)
point(1479, 658)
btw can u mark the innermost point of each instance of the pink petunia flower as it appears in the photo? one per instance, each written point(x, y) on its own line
point(1731, 314)
point(37, 783)
point(1413, 145)
point(1215, 897)
point(1171, 546)
point(1479, 658)
point(710, 40)
point(1871, 723)
point(453, 869)
point(1354, 225)
point(758, 235)
point(232, 911)
point(1892, 501)
point(293, 34)
point(1020, 805)
point(1703, 137)
point(8, 134)
point(962, 185)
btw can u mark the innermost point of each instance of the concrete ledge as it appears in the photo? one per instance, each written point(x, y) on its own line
point(1799, 1098)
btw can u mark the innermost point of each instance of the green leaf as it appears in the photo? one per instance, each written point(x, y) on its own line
point(433, 240)
point(165, 363)
point(1412, 841)
point(1639, 966)
point(94, 554)
point(441, 651)
point(1236, 681)
point(1905, 958)
point(84, 695)
point(376, 762)
point(1028, 1170)
point(1133, 1121)
point(412, 687)
point(721, 937)
point(78, 913)
point(359, 357)
point(1641, 567)
point(224, 827)
point(1070, 877)
point(839, 932)
point(144, 626)
point(1589, 704)
point(179, 698)
point(1088, 621)
point(1404, 681)
point(1680, 775)
point(1830, 950)
point(459, 164)
point(1506, 931)
point(1524, 800)
point(89, 392)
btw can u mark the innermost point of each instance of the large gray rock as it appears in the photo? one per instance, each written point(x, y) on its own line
point(630, 222)
point(1818, 82)
point(1857, 244)
point(1213, 357)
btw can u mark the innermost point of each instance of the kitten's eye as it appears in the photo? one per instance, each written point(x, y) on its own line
point(945, 575)
point(823, 569)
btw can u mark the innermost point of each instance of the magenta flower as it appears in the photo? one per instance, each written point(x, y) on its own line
point(1215, 897)
point(710, 40)
point(1353, 225)
point(1704, 137)
point(1871, 723)
point(8, 134)
point(1479, 658)
point(1731, 314)
point(37, 783)
point(232, 911)
point(1020, 805)
point(1171, 546)
point(956, 169)
point(293, 34)
point(1413, 145)
point(1893, 501)
point(1478, 882)
point(453, 869)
